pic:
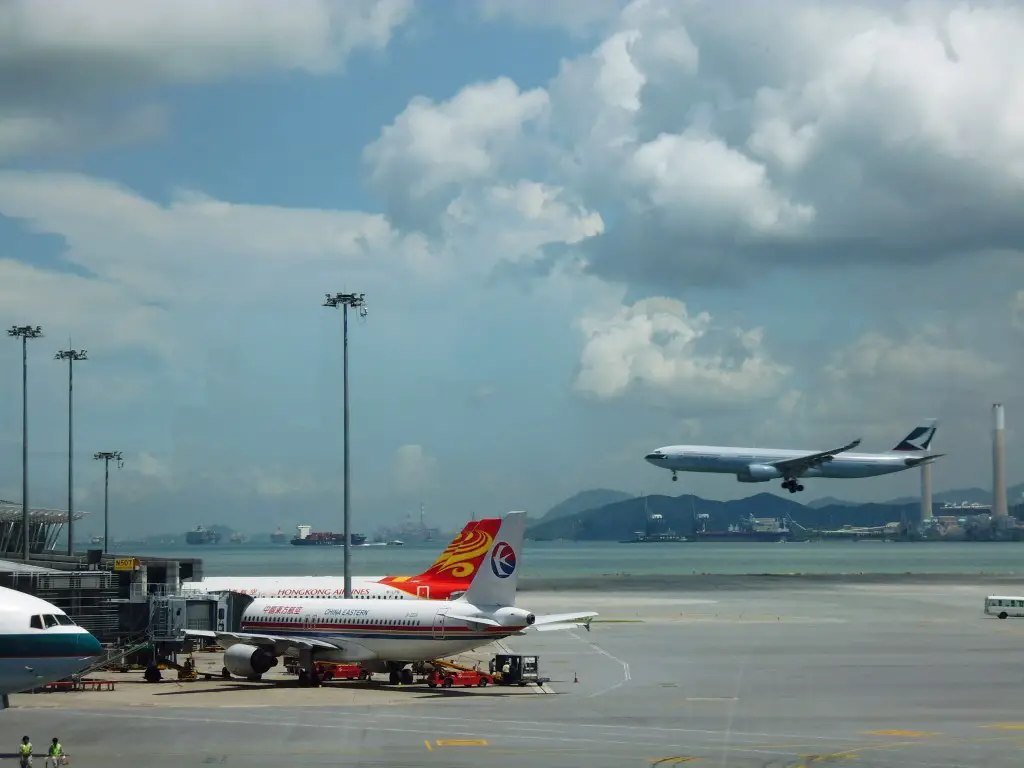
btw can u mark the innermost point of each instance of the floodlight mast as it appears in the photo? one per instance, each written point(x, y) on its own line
point(72, 356)
point(106, 457)
point(24, 332)
point(355, 301)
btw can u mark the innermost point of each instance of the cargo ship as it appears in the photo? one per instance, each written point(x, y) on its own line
point(238, 538)
point(278, 536)
point(306, 537)
point(752, 529)
point(656, 531)
point(200, 535)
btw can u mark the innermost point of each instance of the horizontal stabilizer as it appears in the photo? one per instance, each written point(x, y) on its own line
point(917, 461)
point(563, 621)
point(565, 625)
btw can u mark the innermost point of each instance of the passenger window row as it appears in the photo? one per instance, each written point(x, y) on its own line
point(47, 620)
point(318, 620)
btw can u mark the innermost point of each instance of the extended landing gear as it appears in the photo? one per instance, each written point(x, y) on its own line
point(308, 676)
point(674, 478)
point(403, 676)
point(791, 485)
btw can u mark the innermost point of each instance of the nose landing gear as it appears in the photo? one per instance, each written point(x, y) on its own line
point(674, 478)
point(791, 485)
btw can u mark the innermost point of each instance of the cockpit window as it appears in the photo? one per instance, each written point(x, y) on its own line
point(36, 622)
point(51, 621)
point(64, 620)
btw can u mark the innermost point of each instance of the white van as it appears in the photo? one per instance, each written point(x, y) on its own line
point(1002, 606)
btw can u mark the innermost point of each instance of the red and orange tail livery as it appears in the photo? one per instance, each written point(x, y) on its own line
point(453, 571)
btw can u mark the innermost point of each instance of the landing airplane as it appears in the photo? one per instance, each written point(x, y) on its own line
point(446, 579)
point(39, 644)
point(383, 636)
point(759, 465)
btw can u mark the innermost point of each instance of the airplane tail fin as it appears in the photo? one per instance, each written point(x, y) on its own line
point(464, 555)
point(920, 438)
point(496, 580)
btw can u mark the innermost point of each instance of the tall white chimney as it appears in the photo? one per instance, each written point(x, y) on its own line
point(998, 462)
point(926, 491)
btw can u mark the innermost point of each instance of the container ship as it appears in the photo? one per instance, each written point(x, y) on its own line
point(751, 529)
point(306, 537)
point(202, 536)
point(278, 536)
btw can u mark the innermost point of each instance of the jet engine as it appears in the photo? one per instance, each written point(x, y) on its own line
point(248, 661)
point(758, 473)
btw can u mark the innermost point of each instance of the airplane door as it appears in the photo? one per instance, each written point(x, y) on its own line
point(439, 621)
point(423, 591)
point(309, 622)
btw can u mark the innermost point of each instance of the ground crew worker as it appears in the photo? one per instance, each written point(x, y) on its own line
point(507, 667)
point(25, 751)
point(54, 753)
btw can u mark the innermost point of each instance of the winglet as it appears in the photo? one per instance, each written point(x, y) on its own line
point(496, 580)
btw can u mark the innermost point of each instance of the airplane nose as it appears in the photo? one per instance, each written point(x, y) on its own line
point(88, 645)
point(653, 457)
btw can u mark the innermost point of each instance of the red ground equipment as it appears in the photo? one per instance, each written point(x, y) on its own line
point(327, 670)
point(447, 678)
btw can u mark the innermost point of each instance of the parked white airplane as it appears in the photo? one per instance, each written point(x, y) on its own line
point(758, 465)
point(39, 644)
point(447, 579)
point(387, 635)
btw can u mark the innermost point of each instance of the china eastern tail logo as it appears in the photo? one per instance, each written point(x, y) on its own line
point(503, 560)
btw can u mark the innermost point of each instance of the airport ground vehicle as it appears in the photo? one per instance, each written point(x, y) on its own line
point(1003, 606)
point(522, 670)
point(467, 678)
point(328, 671)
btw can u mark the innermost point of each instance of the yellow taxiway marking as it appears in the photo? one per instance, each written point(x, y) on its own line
point(427, 742)
point(901, 733)
point(1004, 726)
point(673, 760)
point(461, 742)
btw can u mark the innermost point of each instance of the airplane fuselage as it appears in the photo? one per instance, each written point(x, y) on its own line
point(740, 461)
point(420, 630)
point(39, 643)
point(333, 587)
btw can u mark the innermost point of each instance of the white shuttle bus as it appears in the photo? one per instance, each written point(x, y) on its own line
point(1002, 606)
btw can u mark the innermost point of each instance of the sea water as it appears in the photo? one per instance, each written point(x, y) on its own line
point(543, 560)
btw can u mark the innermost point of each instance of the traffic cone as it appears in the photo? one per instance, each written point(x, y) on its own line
point(574, 678)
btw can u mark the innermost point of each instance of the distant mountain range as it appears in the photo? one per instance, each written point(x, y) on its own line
point(618, 519)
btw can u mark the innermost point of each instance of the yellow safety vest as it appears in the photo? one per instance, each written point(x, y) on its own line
point(25, 749)
point(56, 749)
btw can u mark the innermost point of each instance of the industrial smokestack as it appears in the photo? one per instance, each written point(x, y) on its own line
point(926, 491)
point(998, 462)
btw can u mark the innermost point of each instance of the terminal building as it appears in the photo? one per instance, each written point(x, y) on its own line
point(127, 602)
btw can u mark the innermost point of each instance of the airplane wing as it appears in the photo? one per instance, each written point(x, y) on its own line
point(283, 644)
point(797, 466)
point(563, 621)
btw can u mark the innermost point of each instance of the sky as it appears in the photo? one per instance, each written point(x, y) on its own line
point(583, 230)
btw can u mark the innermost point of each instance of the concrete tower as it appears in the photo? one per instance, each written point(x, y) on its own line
point(926, 491)
point(998, 462)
